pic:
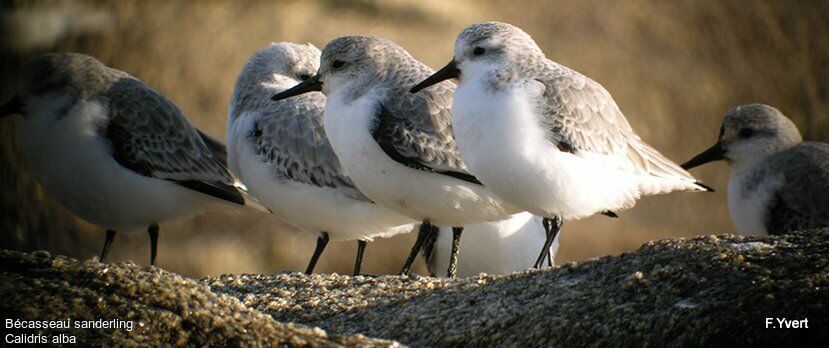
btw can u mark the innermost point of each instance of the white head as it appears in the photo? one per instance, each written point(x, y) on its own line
point(354, 64)
point(498, 51)
point(750, 134)
point(273, 69)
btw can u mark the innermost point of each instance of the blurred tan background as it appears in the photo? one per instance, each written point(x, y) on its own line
point(673, 67)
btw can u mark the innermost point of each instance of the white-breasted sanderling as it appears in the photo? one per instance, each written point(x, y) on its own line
point(279, 150)
point(117, 153)
point(544, 137)
point(398, 147)
point(779, 183)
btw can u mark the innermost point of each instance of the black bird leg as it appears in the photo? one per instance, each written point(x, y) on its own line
point(153, 232)
point(361, 248)
point(322, 241)
point(110, 236)
point(425, 231)
point(551, 227)
point(453, 256)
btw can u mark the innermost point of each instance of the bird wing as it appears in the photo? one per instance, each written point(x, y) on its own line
point(801, 202)
point(149, 135)
point(581, 117)
point(289, 134)
point(416, 130)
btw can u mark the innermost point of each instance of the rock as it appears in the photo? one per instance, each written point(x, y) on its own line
point(708, 290)
point(166, 309)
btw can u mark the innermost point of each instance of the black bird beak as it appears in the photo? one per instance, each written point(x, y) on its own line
point(715, 153)
point(310, 85)
point(450, 71)
point(11, 107)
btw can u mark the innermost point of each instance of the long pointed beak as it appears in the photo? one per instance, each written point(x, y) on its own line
point(715, 153)
point(11, 107)
point(310, 85)
point(450, 71)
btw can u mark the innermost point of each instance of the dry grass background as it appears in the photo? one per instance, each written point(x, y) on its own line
point(673, 67)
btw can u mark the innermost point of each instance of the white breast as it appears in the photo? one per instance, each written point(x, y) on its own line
point(749, 207)
point(502, 141)
point(421, 195)
point(308, 207)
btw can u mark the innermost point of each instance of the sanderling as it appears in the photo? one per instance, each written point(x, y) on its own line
point(117, 153)
point(398, 147)
point(498, 247)
point(544, 137)
point(280, 152)
point(778, 183)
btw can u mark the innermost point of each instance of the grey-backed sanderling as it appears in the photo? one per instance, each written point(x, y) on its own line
point(279, 150)
point(498, 247)
point(398, 147)
point(779, 183)
point(544, 137)
point(117, 153)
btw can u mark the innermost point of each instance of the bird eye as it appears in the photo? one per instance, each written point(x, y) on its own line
point(304, 77)
point(478, 51)
point(338, 64)
point(746, 133)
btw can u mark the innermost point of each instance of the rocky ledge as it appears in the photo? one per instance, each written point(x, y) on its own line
point(707, 290)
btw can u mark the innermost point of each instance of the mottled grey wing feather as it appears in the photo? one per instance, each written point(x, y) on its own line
point(416, 130)
point(802, 202)
point(582, 116)
point(289, 134)
point(150, 136)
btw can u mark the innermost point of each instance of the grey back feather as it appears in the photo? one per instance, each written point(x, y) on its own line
point(802, 202)
point(416, 126)
point(288, 134)
point(582, 115)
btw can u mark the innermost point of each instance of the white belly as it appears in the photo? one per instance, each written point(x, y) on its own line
point(73, 163)
point(495, 247)
point(440, 199)
point(504, 145)
point(309, 208)
point(748, 209)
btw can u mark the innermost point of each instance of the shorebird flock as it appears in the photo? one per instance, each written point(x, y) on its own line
point(362, 141)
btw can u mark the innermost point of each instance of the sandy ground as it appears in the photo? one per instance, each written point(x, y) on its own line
point(701, 291)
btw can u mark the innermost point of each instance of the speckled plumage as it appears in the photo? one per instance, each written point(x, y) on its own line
point(417, 127)
point(146, 132)
point(289, 135)
point(544, 137)
point(280, 151)
point(578, 113)
point(117, 153)
point(397, 147)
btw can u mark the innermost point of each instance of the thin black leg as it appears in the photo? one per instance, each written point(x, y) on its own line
point(110, 236)
point(453, 256)
point(361, 248)
point(551, 228)
point(322, 241)
point(426, 229)
point(153, 232)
